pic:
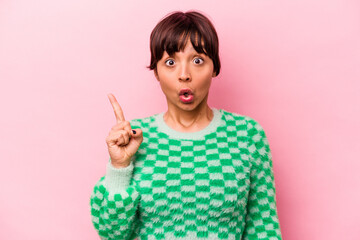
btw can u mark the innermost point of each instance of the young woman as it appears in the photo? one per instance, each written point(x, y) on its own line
point(193, 172)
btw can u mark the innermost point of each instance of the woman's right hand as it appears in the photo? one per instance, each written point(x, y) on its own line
point(122, 142)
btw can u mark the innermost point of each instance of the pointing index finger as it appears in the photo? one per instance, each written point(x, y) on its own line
point(117, 109)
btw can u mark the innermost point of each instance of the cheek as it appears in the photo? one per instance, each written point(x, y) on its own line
point(166, 85)
point(206, 78)
point(164, 75)
point(206, 86)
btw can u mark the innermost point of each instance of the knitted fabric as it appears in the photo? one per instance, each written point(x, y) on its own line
point(216, 183)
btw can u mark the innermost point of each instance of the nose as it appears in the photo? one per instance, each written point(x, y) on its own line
point(184, 73)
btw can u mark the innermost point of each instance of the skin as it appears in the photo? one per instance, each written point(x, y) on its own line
point(186, 70)
point(122, 142)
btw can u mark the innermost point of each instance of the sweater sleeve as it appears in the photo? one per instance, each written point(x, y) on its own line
point(114, 203)
point(262, 220)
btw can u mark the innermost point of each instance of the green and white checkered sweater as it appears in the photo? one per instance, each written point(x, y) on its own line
point(216, 183)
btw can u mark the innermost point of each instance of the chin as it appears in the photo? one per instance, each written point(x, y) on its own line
point(189, 107)
point(186, 107)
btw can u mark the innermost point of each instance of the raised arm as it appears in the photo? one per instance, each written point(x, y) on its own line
point(114, 200)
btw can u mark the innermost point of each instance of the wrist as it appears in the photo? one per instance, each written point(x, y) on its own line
point(121, 165)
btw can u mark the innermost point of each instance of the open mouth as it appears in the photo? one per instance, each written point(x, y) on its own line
point(186, 92)
point(186, 95)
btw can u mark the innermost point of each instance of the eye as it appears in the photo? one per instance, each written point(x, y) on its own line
point(198, 60)
point(170, 61)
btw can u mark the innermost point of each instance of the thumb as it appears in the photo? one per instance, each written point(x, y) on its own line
point(135, 141)
point(137, 134)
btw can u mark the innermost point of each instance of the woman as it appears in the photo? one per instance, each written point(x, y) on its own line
point(193, 172)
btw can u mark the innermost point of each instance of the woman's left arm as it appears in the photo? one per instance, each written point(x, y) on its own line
point(262, 220)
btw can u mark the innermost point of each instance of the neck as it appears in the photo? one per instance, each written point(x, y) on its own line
point(189, 120)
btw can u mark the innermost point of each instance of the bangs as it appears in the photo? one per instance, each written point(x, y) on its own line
point(177, 41)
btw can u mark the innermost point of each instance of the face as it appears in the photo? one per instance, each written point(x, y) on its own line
point(185, 70)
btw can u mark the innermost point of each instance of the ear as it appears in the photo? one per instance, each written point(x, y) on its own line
point(214, 74)
point(156, 75)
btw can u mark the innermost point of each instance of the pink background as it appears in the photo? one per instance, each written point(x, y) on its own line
point(294, 66)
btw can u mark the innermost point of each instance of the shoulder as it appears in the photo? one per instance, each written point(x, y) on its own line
point(249, 123)
point(251, 130)
point(246, 126)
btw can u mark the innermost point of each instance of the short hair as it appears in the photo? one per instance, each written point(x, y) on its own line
point(177, 26)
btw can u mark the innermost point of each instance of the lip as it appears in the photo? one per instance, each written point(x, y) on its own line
point(188, 99)
point(185, 90)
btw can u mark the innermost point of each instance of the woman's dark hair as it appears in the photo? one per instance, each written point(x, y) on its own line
point(178, 26)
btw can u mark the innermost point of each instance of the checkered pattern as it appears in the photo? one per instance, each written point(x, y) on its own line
point(220, 186)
